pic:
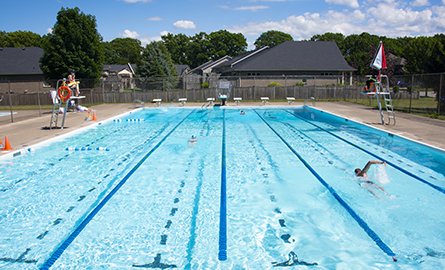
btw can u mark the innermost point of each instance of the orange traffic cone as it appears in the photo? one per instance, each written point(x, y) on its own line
point(7, 145)
point(94, 116)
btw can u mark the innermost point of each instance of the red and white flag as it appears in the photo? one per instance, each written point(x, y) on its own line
point(379, 61)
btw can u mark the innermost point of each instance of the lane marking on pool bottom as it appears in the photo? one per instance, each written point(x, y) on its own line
point(373, 235)
point(64, 245)
point(440, 189)
point(222, 253)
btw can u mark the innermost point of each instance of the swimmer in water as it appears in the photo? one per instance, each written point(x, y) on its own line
point(193, 139)
point(365, 182)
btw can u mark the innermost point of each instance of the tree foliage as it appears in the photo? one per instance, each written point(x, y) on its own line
point(203, 47)
point(178, 46)
point(156, 62)
point(73, 44)
point(122, 51)
point(20, 39)
point(224, 43)
point(337, 37)
point(272, 38)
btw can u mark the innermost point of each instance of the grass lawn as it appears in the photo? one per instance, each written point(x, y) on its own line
point(425, 106)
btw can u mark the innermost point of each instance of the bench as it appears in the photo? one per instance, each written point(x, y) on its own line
point(182, 101)
point(264, 100)
point(157, 101)
point(210, 100)
point(237, 100)
point(290, 100)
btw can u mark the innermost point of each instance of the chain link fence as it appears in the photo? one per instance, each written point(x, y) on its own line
point(418, 93)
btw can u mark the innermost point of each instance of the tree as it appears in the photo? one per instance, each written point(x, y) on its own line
point(199, 50)
point(359, 51)
point(73, 44)
point(122, 51)
point(337, 37)
point(3, 39)
point(20, 39)
point(158, 65)
point(272, 38)
point(224, 43)
point(205, 47)
point(178, 46)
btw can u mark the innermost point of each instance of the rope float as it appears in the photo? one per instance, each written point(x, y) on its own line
point(100, 148)
point(129, 120)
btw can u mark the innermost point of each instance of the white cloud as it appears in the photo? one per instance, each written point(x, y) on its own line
point(49, 30)
point(184, 24)
point(163, 33)
point(251, 8)
point(136, 1)
point(349, 3)
point(392, 15)
point(420, 3)
point(385, 18)
point(130, 34)
point(155, 19)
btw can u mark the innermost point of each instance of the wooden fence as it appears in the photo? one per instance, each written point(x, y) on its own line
point(96, 95)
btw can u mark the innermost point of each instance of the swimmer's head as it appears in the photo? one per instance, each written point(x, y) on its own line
point(357, 171)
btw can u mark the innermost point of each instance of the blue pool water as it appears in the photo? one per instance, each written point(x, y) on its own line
point(133, 193)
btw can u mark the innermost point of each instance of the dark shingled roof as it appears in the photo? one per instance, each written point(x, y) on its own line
point(293, 56)
point(20, 61)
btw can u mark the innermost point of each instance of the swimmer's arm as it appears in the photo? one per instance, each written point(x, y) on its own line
point(368, 165)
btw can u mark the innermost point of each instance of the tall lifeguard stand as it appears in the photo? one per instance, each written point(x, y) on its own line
point(382, 93)
point(381, 86)
point(62, 96)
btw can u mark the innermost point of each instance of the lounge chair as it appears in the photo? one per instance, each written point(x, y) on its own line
point(182, 101)
point(210, 100)
point(290, 100)
point(264, 100)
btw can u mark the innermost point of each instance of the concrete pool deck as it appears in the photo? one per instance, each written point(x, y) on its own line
point(29, 130)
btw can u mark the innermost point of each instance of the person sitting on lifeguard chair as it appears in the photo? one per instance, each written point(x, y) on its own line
point(72, 83)
point(371, 84)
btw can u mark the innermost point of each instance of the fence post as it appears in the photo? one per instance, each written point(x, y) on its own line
point(103, 91)
point(439, 100)
point(38, 99)
point(411, 93)
point(10, 101)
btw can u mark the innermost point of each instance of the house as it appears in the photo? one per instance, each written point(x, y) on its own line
point(20, 69)
point(207, 67)
point(182, 70)
point(118, 77)
point(294, 61)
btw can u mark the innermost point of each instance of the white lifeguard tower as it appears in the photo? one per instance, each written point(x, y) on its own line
point(382, 94)
point(61, 97)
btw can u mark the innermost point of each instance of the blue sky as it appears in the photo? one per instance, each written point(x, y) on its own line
point(147, 20)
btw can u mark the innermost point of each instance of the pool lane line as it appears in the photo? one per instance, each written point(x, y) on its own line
point(64, 245)
point(440, 189)
point(192, 240)
point(294, 129)
point(373, 235)
point(285, 237)
point(222, 253)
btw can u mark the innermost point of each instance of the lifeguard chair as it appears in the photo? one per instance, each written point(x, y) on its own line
point(380, 89)
point(61, 97)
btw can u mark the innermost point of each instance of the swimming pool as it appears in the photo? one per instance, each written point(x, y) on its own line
point(133, 193)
